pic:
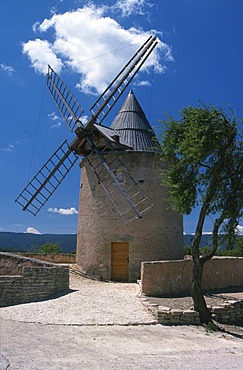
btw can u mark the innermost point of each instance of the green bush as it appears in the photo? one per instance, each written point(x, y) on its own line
point(50, 248)
point(187, 250)
point(237, 250)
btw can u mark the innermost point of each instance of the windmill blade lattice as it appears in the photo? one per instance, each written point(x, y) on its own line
point(112, 93)
point(47, 179)
point(69, 107)
point(127, 197)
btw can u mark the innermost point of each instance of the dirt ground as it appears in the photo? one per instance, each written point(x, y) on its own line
point(34, 346)
point(100, 325)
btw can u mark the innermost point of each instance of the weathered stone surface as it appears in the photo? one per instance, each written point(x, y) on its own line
point(190, 313)
point(154, 237)
point(34, 283)
point(174, 312)
point(218, 310)
point(227, 313)
point(162, 278)
point(164, 308)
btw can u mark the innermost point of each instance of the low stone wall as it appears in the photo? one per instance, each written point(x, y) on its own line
point(167, 316)
point(230, 312)
point(173, 278)
point(29, 280)
point(54, 258)
point(12, 264)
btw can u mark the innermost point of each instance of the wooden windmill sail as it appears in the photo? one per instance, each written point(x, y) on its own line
point(92, 138)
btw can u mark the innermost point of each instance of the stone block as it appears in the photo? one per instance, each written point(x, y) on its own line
point(185, 320)
point(233, 302)
point(174, 321)
point(163, 315)
point(164, 321)
point(218, 310)
point(178, 313)
point(189, 313)
point(164, 308)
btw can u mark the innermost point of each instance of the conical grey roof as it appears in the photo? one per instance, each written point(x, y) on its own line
point(133, 126)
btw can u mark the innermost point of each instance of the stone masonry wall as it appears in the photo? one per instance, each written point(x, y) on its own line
point(168, 278)
point(35, 281)
point(230, 312)
point(12, 264)
point(173, 278)
point(158, 235)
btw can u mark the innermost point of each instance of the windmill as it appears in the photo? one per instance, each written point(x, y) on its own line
point(93, 141)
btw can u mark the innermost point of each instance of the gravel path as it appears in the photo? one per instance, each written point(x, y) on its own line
point(90, 303)
point(75, 331)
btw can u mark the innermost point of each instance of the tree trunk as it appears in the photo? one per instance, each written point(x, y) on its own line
point(197, 295)
point(198, 265)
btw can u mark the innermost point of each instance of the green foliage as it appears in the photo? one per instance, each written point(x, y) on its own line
point(206, 153)
point(205, 150)
point(210, 327)
point(239, 246)
point(50, 248)
point(187, 251)
point(237, 250)
point(205, 250)
point(230, 253)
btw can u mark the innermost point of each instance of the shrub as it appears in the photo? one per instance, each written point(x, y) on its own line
point(50, 248)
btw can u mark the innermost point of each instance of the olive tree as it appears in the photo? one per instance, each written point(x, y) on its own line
point(205, 150)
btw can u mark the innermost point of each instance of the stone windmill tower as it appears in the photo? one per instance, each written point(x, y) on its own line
point(120, 181)
point(108, 248)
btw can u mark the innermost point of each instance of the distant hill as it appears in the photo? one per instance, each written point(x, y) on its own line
point(204, 241)
point(29, 242)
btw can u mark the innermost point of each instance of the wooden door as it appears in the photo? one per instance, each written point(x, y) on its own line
point(119, 261)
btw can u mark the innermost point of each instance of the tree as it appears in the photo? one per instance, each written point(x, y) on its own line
point(205, 152)
point(50, 248)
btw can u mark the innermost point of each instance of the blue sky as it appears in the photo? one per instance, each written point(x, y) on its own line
point(199, 57)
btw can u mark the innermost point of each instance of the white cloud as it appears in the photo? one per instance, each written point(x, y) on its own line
point(8, 148)
point(203, 233)
point(41, 54)
point(21, 140)
point(63, 211)
point(56, 125)
point(143, 83)
point(84, 119)
point(31, 230)
point(35, 27)
point(11, 147)
point(240, 229)
point(54, 117)
point(129, 7)
point(92, 44)
point(8, 69)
